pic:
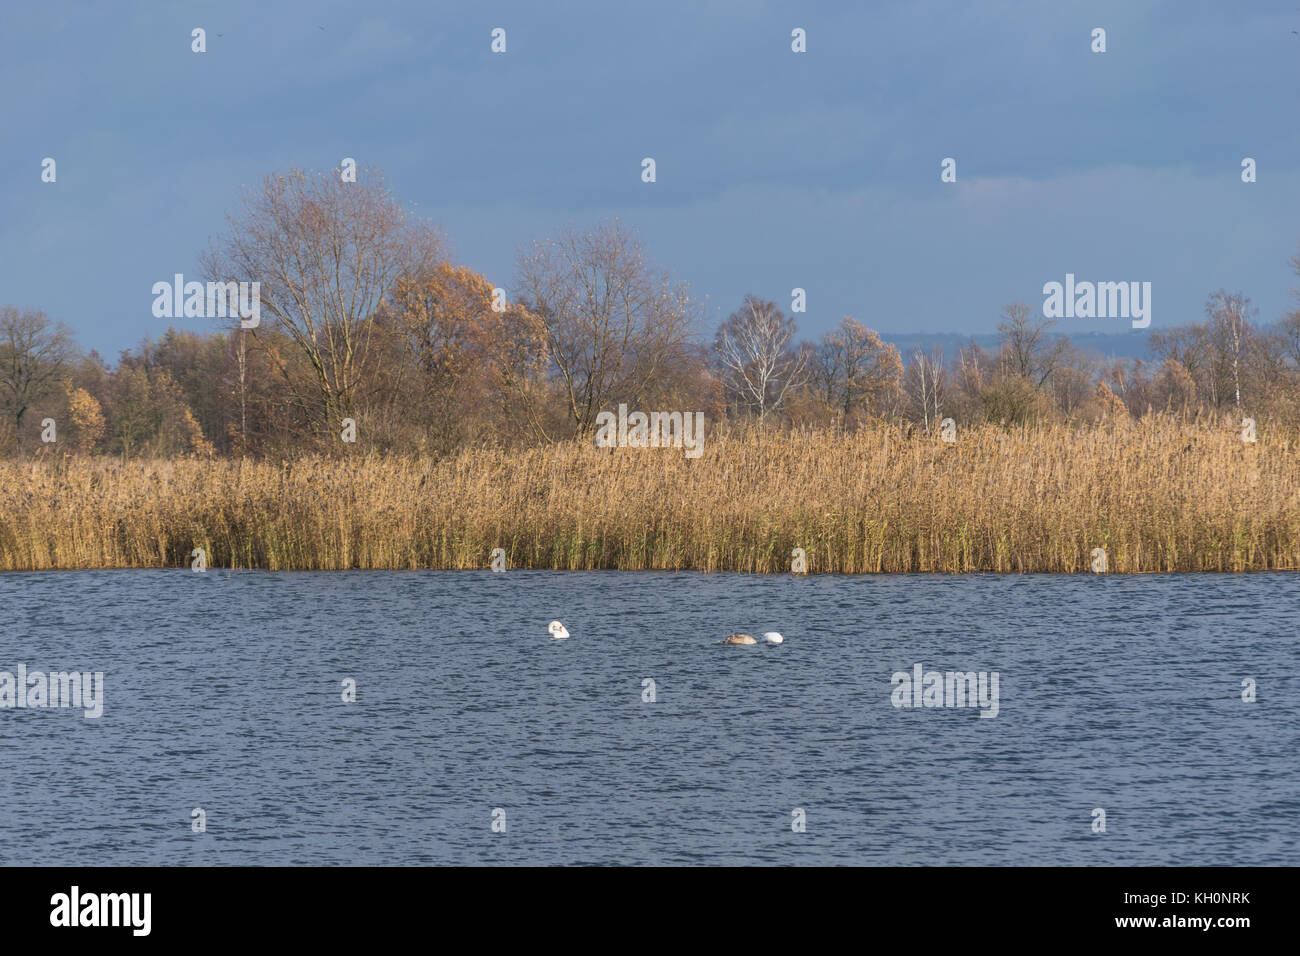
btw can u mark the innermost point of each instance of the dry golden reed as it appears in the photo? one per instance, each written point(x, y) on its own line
point(1158, 495)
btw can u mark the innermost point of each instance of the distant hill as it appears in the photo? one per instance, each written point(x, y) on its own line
point(1105, 345)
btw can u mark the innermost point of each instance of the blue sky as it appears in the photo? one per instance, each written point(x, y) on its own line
point(775, 170)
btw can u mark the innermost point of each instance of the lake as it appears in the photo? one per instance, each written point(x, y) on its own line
point(224, 691)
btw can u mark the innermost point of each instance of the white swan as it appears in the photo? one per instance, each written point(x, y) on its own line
point(769, 637)
point(558, 633)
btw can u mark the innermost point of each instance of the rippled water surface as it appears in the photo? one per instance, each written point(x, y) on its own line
point(223, 691)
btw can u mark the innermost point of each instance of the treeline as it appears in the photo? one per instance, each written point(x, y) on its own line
point(364, 316)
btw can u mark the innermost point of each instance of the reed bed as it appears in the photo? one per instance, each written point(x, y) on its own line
point(1157, 495)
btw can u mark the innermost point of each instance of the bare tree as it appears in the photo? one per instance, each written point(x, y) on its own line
point(926, 384)
point(1173, 388)
point(1072, 386)
point(755, 349)
point(1190, 347)
point(34, 360)
point(1288, 332)
point(1231, 332)
point(1027, 348)
point(612, 323)
point(326, 253)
